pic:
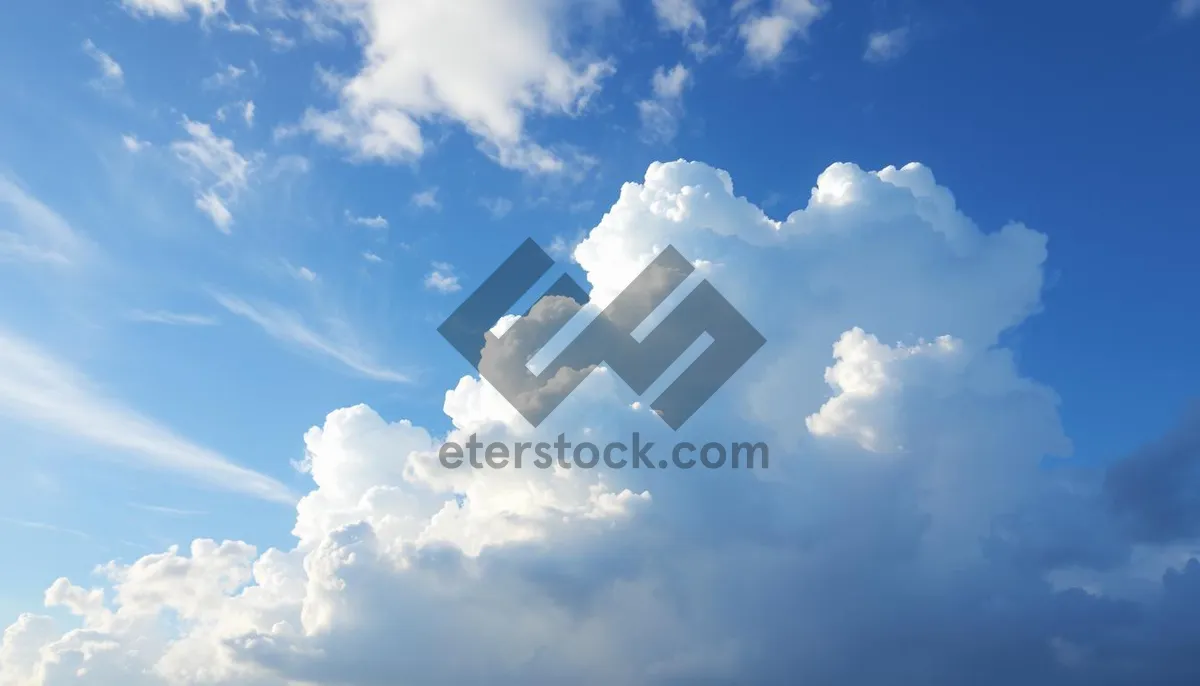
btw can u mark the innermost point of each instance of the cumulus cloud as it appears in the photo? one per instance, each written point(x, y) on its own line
point(376, 222)
point(767, 34)
point(884, 46)
point(903, 534)
point(219, 171)
point(442, 279)
point(660, 113)
point(486, 64)
point(111, 74)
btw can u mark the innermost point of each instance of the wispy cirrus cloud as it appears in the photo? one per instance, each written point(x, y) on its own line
point(134, 144)
point(228, 76)
point(112, 76)
point(39, 391)
point(220, 172)
point(172, 318)
point(497, 207)
point(44, 526)
point(885, 46)
point(1186, 9)
point(32, 232)
point(162, 509)
point(288, 327)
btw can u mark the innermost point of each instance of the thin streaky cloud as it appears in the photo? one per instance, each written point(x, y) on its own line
point(41, 392)
point(287, 327)
point(162, 509)
point(32, 232)
point(172, 318)
point(111, 73)
point(43, 526)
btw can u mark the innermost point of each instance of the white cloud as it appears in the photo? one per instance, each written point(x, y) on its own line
point(174, 10)
point(45, 394)
point(290, 164)
point(298, 272)
point(376, 222)
point(660, 114)
point(287, 327)
point(497, 207)
point(172, 318)
point(162, 509)
point(245, 110)
point(914, 496)
point(218, 170)
point(1186, 9)
point(884, 46)
point(215, 208)
point(684, 17)
point(44, 526)
point(372, 257)
point(134, 144)
point(426, 199)
point(279, 40)
point(486, 64)
point(111, 74)
point(32, 232)
point(767, 34)
point(442, 279)
point(228, 77)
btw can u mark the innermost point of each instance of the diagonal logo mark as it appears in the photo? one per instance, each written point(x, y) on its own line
point(608, 339)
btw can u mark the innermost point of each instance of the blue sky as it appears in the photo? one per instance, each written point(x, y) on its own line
point(203, 252)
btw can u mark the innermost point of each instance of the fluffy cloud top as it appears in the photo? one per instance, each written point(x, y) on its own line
point(904, 533)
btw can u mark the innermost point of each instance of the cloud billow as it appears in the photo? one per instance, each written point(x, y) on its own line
point(904, 534)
